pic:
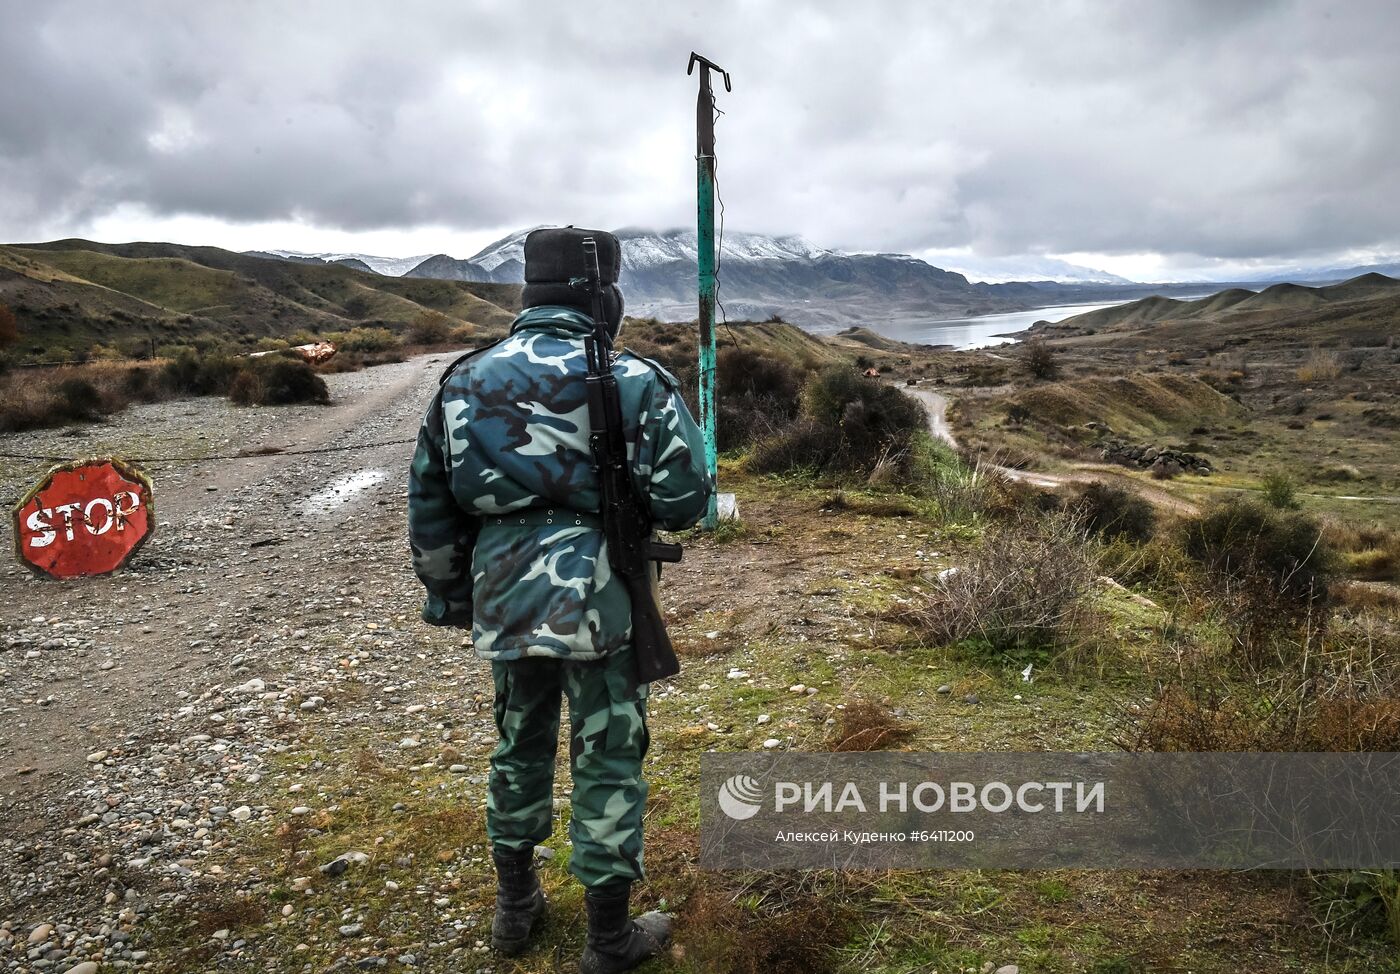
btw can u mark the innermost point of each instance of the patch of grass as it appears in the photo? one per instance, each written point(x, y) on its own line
point(1132, 405)
point(870, 505)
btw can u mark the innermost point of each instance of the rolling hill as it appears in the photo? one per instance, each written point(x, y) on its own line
point(1365, 308)
point(69, 294)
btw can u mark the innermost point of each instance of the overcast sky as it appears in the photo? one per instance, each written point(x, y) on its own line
point(1160, 139)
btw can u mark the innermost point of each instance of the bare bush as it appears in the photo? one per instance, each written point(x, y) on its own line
point(1040, 361)
point(1026, 584)
point(1322, 365)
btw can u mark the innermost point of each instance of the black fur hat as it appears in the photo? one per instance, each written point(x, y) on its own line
point(554, 258)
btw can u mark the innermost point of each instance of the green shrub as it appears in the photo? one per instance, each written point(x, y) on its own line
point(365, 340)
point(190, 374)
point(278, 381)
point(761, 395)
point(78, 399)
point(1240, 536)
point(1113, 512)
point(430, 328)
point(1280, 492)
point(851, 424)
point(1271, 568)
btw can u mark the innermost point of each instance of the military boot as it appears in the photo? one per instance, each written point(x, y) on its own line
point(616, 942)
point(519, 901)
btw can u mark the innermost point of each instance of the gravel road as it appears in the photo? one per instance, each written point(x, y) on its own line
point(239, 543)
point(128, 703)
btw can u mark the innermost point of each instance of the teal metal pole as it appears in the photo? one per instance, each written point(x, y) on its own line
point(705, 238)
point(705, 170)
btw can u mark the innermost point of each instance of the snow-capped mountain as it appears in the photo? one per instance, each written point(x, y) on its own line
point(388, 266)
point(504, 260)
point(645, 248)
point(762, 275)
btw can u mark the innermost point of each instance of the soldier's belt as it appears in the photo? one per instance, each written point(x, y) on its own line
point(547, 517)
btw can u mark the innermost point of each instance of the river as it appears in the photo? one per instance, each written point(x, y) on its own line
point(980, 331)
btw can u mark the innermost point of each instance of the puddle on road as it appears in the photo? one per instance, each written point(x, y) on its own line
point(342, 492)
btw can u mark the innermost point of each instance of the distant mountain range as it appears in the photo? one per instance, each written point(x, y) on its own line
point(763, 275)
point(69, 295)
point(1390, 267)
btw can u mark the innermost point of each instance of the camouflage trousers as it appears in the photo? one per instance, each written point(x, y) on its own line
point(607, 740)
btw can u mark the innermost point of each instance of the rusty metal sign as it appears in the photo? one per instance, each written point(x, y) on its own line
point(85, 517)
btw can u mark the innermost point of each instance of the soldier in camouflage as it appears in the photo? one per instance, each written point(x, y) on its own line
point(505, 536)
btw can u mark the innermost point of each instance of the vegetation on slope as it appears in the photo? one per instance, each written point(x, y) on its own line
point(70, 295)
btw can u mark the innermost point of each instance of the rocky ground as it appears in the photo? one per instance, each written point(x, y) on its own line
point(244, 752)
point(142, 712)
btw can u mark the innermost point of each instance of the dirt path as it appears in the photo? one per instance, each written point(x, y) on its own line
point(233, 547)
point(936, 406)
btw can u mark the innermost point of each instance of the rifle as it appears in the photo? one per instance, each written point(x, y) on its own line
point(626, 515)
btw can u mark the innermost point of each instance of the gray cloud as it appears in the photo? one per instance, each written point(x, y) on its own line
point(1194, 130)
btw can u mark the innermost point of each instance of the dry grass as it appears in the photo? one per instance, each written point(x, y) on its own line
point(1375, 596)
point(1335, 690)
point(33, 398)
point(1322, 365)
point(37, 398)
point(798, 937)
point(1131, 404)
point(206, 912)
point(870, 506)
point(868, 726)
point(1371, 552)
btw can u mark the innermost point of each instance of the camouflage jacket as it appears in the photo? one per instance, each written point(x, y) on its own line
point(504, 441)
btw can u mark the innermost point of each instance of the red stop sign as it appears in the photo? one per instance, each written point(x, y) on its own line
point(84, 518)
